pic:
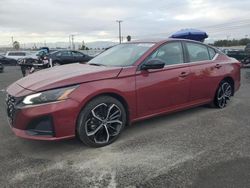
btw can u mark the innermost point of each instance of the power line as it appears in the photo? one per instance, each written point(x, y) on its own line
point(228, 26)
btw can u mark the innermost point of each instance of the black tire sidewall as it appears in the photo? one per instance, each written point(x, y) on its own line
point(216, 103)
point(81, 132)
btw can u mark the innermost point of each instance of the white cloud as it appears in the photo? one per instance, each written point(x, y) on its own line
point(55, 20)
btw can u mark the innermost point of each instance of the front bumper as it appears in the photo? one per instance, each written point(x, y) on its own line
point(52, 121)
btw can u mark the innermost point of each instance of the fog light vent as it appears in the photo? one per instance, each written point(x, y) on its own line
point(41, 127)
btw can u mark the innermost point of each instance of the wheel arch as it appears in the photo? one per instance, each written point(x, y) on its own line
point(228, 79)
point(231, 81)
point(57, 60)
point(115, 95)
point(119, 98)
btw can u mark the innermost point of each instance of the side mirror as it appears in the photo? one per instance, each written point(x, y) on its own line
point(153, 64)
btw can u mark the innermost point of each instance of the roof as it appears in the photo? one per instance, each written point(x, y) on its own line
point(161, 40)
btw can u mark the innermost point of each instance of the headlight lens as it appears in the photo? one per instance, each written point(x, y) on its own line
point(49, 96)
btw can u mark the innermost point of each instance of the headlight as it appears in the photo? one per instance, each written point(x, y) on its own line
point(49, 96)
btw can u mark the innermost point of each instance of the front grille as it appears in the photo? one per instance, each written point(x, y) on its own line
point(11, 104)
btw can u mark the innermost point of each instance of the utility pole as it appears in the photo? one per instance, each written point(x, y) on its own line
point(69, 42)
point(73, 45)
point(12, 40)
point(120, 32)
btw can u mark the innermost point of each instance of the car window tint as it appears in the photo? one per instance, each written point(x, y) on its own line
point(78, 54)
point(212, 52)
point(64, 53)
point(58, 54)
point(122, 55)
point(197, 52)
point(170, 53)
point(16, 54)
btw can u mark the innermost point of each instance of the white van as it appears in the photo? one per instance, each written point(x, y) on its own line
point(17, 54)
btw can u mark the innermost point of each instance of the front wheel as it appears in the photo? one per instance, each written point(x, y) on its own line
point(223, 94)
point(101, 121)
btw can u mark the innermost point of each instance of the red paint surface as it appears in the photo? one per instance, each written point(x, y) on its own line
point(146, 93)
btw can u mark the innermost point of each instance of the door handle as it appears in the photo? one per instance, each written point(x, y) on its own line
point(218, 66)
point(184, 74)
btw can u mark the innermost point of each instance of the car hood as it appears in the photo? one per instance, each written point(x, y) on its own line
point(66, 75)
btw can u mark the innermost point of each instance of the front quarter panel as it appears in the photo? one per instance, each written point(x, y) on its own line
point(123, 85)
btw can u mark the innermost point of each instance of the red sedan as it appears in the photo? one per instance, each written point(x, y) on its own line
point(127, 83)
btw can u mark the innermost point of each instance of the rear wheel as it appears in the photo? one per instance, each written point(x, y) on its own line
point(223, 94)
point(101, 121)
point(56, 63)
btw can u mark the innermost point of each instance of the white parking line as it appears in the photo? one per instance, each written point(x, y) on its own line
point(2, 90)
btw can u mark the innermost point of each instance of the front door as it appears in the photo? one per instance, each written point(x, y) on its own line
point(160, 90)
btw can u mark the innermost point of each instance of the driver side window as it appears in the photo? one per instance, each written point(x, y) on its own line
point(170, 53)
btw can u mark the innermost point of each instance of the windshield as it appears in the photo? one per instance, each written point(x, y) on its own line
point(121, 55)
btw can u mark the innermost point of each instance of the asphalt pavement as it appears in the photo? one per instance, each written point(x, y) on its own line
point(200, 147)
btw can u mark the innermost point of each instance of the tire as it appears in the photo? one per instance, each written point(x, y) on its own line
point(56, 63)
point(223, 94)
point(94, 126)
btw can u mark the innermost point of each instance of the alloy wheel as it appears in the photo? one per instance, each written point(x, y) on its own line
point(104, 123)
point(223, 95)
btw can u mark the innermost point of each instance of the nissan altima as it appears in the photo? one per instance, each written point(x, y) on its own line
point(127, 83)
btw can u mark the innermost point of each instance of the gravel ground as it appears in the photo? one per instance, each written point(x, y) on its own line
point(200, 147)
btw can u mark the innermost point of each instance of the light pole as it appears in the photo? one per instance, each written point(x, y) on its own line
point(12, 40)
point(120, 32)
point(71, 42)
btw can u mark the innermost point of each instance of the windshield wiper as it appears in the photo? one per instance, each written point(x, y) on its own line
point(96, 64)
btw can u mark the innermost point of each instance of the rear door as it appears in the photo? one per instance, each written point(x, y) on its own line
point(66, 57)
point(205, 71)
point(160, 90)
point(78, 56)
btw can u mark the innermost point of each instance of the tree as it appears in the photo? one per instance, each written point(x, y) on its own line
point(244, 41)
point(16, 45)
point(128, 38)
point(83, 47)
point(233, 42)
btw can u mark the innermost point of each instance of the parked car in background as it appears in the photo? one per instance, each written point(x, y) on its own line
point(7, 61)
point(241, 55)
point(127, 83)
point(237, 54)
point(63, 57)
point(17, 54)
point(38, 54)
point(1, 67)
point(247, 48)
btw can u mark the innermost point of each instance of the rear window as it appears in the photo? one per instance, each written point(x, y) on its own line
point(197, 52)
point(16, 54)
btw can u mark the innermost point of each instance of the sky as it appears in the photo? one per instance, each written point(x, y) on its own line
point(45, 21)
